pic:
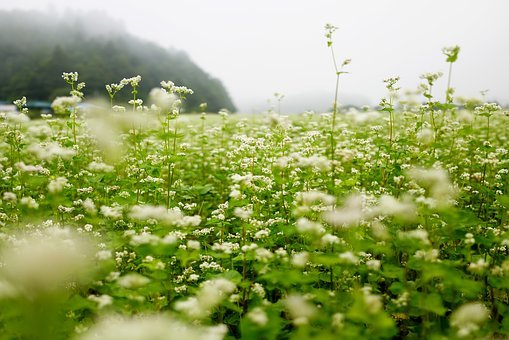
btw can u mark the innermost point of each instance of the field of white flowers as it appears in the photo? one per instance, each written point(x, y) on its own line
point(142, 222)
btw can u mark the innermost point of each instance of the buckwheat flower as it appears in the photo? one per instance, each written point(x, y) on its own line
point(118, 108)
point(469, 238)
point(103, 255)
point(243, 213)
point(417, 234)
point(373, 264)
point(235, 194)
point(20, 102)
point(70, 77)
point(372, 302)
point(31, 168)
point(193, 244)
point(9, 196)
point(258, 316)
point(249, 247)
point(264, 233)
point(431, 77)
point(136, 102)
point(487, 109)
point(402, 209)
point(168, 86)
point(300, 259)
point(468, 318)
point(349, 257)
point(16, 118)
point(46, 261)
point(100, 167)
point(304, 225)
point(190, 221)
point(263, 255)
point(338, 320)
point(114, 212)
point(431, 255)
point(89, 206)
point(29, 202)
point(150, 327)
point(51, 151)
point(329, 239)
point(226, 247)
point(478, 267)
point(425, 136)
point(211, 294)
point(182, 90)
point(132, 281)
point(349, 215)
point(436, 182)
point(57, 185)
point(134, 81)
point(300, 310)
point(309, 198)
point(64, 105)
point(257, 288)
point(101, 300)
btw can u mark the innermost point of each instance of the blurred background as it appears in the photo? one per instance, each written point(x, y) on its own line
point(237, 54)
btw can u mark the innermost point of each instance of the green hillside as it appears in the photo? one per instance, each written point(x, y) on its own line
point(35, 48)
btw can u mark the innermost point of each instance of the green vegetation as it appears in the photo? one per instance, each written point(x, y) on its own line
point(129, 222)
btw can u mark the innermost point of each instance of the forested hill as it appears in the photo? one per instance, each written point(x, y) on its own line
point(36, 47)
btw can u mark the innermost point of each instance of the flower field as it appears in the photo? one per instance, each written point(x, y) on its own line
point(142, 222)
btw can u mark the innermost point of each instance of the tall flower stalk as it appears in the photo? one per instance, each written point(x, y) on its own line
point(388, 105)
point(71, 78)
point(452, 55)
point(329, 31)
point(181, 92)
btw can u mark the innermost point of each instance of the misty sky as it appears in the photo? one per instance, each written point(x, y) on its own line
point(260, 47)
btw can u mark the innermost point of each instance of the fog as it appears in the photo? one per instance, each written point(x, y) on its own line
point(260, 47)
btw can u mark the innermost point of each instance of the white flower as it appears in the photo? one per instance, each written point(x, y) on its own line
point(373, 264)
point(258, 316)
point(390, 206)
point(100, 167)
point(211, 293)
point(300, 259)
point(57, 185)
point(299, 309)
point(329, 239)
point(9, 196)
point(50, 151)
point(349, 257)
point(44, 261)
point(349, 215)
point(468, 317)
point(437, 183)
point(306, 226)
point(372, 302)
point(29, 202)
point(103, 255)
point(89, 206)
point(102, 300)
point(193, 244)
point(417, 234)
point(243, 213)
point(309, 198)
point(132, 280)
point(150, 327)
point(114, 212)
point(64, 105)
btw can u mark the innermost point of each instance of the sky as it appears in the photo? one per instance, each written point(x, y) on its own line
point(257, 48)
